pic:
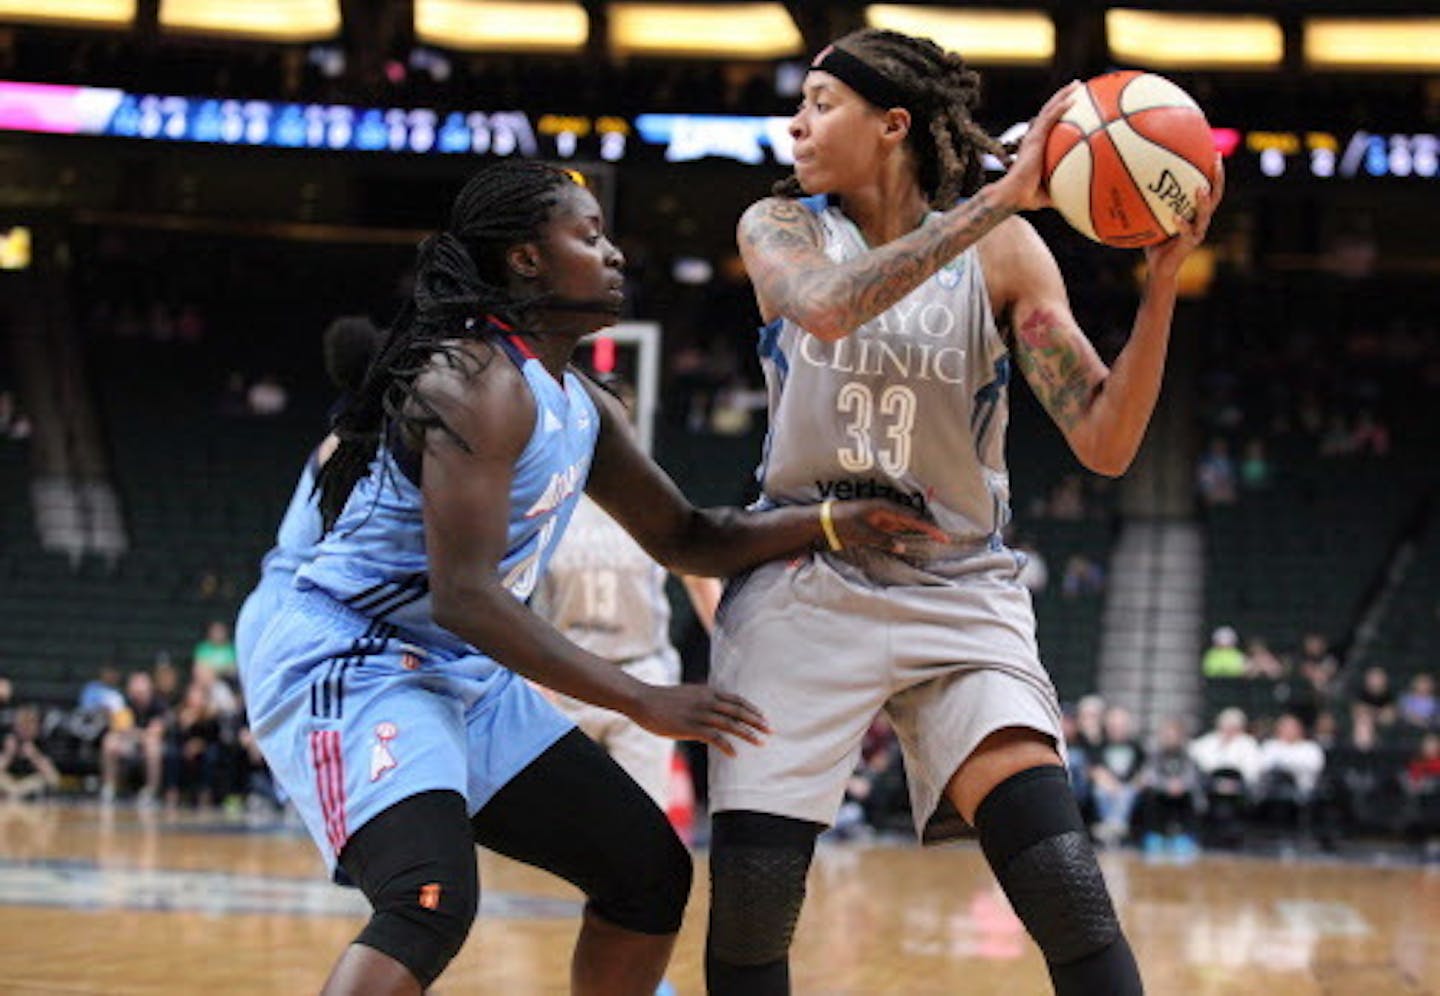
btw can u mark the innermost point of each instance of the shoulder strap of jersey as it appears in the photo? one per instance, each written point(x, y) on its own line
point(816, 203)
point(515, 347)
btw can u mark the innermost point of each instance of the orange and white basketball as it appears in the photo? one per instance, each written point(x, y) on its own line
point(1127, 157)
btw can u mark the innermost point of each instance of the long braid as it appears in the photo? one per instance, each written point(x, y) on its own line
point(460, 277)
point(948, 145)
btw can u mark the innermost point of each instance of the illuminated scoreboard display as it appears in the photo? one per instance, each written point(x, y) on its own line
point(82, 110)
point(1324, 155)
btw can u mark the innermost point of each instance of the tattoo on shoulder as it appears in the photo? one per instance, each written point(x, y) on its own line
point(1054, 368)
point(783, 225)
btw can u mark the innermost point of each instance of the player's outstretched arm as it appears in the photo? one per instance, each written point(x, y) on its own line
point(780, 242)
point(466, 508)
point(719, 542)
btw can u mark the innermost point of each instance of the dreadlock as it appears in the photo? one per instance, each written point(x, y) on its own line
point(460, 278)
point(947, 143)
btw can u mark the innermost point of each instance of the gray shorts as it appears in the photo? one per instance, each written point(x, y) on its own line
point(821, 649)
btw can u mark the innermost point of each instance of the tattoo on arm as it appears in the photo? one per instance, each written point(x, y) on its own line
point(1054, 368)
point(785, 238)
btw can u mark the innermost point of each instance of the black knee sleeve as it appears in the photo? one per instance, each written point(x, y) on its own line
point(646, 888)
point(758, 864)
point(575, 813)
point(415, 862)
point(1034, 839)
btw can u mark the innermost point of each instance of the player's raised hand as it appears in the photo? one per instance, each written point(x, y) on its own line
point(1164, 259)
point(1024, 180)
point(699, 712)
point(877, 522)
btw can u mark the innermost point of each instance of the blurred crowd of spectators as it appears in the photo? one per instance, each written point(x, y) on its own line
point(157, 736)
point(1239, 784)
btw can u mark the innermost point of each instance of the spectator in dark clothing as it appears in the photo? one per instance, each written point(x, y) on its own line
point(1172, 795)
point(25, 770)
point(137, 733)
point(1374, 698)
point(166, 677)
point(1358, 777)
point(194, 756)
point(1116, 776)
point(1313, 689)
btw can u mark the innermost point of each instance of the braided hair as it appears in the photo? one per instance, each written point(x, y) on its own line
point(947, 143)
point(461, 279)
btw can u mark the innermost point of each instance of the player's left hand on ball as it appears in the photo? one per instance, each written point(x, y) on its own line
point(880, 523)
point(1166, 257)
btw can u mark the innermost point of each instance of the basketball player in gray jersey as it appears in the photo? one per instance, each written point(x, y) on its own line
point(604, 593)
point(894, 315)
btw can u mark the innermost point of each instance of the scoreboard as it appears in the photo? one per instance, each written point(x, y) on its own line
point(1360, 154)
point(83, 110)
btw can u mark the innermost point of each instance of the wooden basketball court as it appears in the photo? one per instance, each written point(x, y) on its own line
point(97, 901)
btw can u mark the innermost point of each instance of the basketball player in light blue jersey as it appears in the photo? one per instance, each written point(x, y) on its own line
point(388, 691)
point(895, 315)
point(348, 346)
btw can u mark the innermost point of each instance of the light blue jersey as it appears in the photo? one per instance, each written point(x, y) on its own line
point(295, 540)
point(300, 529)
point(374, 561)
point(358, 699)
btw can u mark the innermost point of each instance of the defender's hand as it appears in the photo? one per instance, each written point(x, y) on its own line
point(699, 712)
point(881, 523)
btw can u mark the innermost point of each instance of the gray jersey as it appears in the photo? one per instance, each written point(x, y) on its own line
point(603, 591)
point(912, 406)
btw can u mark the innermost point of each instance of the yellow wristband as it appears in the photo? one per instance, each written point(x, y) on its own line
point(827, 523)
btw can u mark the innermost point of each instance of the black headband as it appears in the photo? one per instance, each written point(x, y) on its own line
point(863, 78)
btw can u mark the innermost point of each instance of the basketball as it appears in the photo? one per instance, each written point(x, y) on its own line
point(1127, 157)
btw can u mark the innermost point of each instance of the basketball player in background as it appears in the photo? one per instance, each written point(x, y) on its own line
point(896, 296)
point(604, 593)
point(386, 690)
point(348, 346)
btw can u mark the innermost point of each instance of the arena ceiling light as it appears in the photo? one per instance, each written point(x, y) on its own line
point(502, 25)
point(1011, 37)
point(1194, 41)
point(268, 20)
point(71, 13)
point(1374, 45)
point(704, 31)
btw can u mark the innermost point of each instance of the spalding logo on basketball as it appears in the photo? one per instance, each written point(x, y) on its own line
point(1127, 157)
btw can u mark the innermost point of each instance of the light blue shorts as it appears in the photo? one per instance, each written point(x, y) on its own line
point(352, 719)
point(256, 611)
